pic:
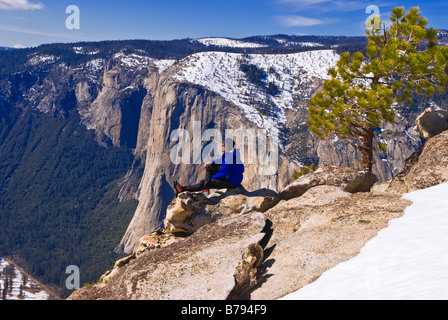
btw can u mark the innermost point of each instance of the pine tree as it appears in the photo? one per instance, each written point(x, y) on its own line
point(402, 59)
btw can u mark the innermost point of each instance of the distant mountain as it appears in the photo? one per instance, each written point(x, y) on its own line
point(6, 48)
point(443, 37)
point(176, 49)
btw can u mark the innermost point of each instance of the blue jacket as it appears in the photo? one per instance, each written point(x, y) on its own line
point(232, 168)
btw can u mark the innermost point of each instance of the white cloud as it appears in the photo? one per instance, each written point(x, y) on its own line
point(332, 5)
point(36, 32)
point(19, 5)
point(298, 21)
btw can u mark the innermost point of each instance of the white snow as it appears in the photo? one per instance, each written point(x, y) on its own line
point(127, 88)
point(137, 61)
point(132, 60)
point(96, 64)
point(287, 43)
point(303, 44)
point(41, 59)
point(30, 291)
point(163, 64)
point(224, 42)
point(408, 260)
point(293, 74)
point(78, 50)
point(81, 50)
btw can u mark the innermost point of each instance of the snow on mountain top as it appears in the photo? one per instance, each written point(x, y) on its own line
point(81, 50)
point(287, 43)
point(407, 260)
point(293, 74)
point(224, 42)
point(138, 61)
point(163, 64)
point(306, 44)
point(44, 58)
point(132, 60)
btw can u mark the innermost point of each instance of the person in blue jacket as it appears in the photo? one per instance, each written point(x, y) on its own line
point(227, 175)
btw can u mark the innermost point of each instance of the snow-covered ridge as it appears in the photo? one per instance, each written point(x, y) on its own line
point(137, 61)
point(128, 61)
point(293, 74)
point(132, 60)
point(287, 43)
point(163, 64)
point(224, 42)
point(304, 44)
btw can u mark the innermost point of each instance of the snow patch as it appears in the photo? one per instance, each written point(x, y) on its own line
point(38, 59)
point(288, 43)
point(96, 65)
point(407, 260)
point(136, 61)
point(127, 88)
point(81, 50)
point(78, 50)
point(293, 74)
point(163, 64)
point(17, 290)
point(132, 60)
point(224, 42)
point(304, 44)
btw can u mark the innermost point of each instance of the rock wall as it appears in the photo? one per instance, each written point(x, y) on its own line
point(401, 139)
point(177, 106)
point(426, 167)
point(120, 99)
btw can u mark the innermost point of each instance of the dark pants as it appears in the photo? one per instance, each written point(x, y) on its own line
point(208, 182)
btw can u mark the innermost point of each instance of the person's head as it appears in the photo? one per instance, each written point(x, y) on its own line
point(228, 144)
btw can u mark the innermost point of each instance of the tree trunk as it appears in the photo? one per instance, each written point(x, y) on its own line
point(366, 148)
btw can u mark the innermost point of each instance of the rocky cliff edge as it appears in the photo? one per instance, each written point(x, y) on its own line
point(263, 245)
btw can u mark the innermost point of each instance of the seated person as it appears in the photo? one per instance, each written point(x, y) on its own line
point(227, 175)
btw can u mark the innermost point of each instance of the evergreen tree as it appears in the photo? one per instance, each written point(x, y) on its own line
point(402, 60)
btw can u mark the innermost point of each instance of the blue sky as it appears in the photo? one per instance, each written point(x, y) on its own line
point(26, 23)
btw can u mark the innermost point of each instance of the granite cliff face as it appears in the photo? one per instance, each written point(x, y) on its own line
point(425, 168)
point(177, 106)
